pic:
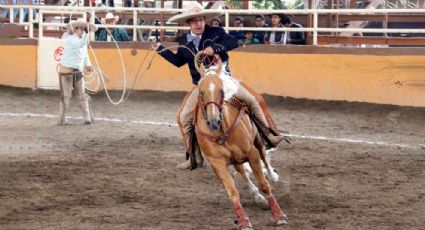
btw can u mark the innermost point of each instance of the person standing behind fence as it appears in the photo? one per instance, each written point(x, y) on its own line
point(5, 12)
point(74, 62)
point(128, 3)
point(250, 40)
point(239, 35)
point(215, 22)
point(111, 3)
point(274, 37)
point(295, 38)
point(118, 34)
point(260, 22)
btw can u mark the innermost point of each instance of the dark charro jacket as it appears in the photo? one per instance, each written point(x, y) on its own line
point(297, 38)
point(216, 37)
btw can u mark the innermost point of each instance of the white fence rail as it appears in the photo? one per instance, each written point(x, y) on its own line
point(67, 10)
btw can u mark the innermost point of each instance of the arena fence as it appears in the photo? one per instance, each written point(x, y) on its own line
point(391, 75)
point(314, 29)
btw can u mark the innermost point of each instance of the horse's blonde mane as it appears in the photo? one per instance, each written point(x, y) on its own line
point(230, 84)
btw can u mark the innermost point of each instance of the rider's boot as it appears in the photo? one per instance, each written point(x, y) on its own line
point(184, 165)
point(274, 137)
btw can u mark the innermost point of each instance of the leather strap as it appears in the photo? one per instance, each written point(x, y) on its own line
point(223, 137)
point(275, 208)
point(242, 218)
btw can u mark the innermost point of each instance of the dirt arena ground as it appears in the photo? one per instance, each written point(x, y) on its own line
point(121, 175)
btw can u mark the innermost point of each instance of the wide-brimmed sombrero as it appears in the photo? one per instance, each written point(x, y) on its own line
point(110, 16)
point(193, 10)
point(81, 23)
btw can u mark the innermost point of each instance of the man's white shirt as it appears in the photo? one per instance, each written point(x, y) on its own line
point(75, 52)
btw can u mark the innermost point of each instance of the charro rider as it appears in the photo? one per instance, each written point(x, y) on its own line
point(73, 64)
point(212, 41)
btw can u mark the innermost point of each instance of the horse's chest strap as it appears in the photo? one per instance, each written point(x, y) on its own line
point(222, 138)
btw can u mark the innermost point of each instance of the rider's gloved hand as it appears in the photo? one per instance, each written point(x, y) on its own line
point(155, 46)
point(209, 51)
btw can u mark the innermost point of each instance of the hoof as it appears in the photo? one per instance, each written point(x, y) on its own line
point(87, 122)
point(281, 221)
point(92, 117)
point(246, 228)
point(239, 227)
point(200, 164)
point(184, 165)
point(63, 123)
point(262, 202)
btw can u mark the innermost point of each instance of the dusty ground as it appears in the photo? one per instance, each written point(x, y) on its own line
point(121, 175)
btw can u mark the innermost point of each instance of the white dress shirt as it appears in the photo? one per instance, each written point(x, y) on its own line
point(75, 52)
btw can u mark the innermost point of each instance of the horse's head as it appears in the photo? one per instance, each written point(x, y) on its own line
point(211, 95)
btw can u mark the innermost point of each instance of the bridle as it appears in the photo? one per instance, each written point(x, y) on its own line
point(204, 105)
point(221, 139)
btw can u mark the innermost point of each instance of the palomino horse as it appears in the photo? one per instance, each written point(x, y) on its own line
point(227, 136)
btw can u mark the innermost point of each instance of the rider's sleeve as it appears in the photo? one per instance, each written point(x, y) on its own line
point(176, 59)
point(224, 43)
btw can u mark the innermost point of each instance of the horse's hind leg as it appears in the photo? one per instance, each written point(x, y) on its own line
point(254, 161)
point(221, 170)
point(271, 173)
point(253, 190)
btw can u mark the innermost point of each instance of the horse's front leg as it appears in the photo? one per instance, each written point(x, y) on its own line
point(271, 172)
point(221, 170)
point(253, 190)
point(254, 162)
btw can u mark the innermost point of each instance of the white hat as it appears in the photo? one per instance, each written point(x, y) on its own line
point(193, 10)
point(81, 23)
point(110, 16)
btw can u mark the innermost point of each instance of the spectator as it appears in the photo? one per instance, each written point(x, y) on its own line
point(5, 12)
point(250, 39)
point(118, 34)
point(215, 22)
point(295, 38)
point(239, 35)
point(128, 3)
point(26, 10)
point(74, 62)
point(260, 22)
point(276, 38)
point(111, 3)
point(98, 22)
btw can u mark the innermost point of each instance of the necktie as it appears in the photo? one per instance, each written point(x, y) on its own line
point(194, 39)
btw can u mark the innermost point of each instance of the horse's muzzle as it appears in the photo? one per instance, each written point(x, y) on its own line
point(214, 124)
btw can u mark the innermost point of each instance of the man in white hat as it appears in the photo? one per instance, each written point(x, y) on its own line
point(112, 34)
point(212, 40)
point(74, 62)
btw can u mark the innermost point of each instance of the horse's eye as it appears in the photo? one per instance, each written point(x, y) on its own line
point(202, 94)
